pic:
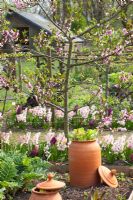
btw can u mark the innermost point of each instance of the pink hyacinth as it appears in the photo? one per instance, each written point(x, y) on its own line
point(19, 4)
point(38, 111)
point(130, 142)
point(109, 32)
point(107, 121)
point(59, 114)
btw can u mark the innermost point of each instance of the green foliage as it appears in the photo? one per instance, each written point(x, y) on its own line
point(18, 171)
point(96, 196)
point(81, 134)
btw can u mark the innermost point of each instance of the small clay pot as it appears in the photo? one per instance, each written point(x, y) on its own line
point(47, 190)
point(37, 195)
point(84, 160)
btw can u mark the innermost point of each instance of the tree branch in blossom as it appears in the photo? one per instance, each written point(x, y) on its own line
point(103, 22)
point(55, 24)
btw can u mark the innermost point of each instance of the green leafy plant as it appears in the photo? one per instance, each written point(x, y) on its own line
point(81, 134)
point(96, 196)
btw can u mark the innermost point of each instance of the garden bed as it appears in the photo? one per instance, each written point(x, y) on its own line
point(63, 168)
point(70, 193)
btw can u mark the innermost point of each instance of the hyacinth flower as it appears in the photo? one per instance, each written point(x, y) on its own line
point(35, 151)
point(84, 112)
point(35, 139)
point(22, 116)
point(38, 111)
point(118, 145)
point(24, 139)
point(5, 137)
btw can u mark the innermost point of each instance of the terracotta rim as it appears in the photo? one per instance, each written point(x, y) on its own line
point(84, 141)
point(45, 192)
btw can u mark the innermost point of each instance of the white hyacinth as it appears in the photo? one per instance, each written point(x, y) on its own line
point(35, 139)
point(84, 112)
point(107, 140)
point(119, 145)
point(22, 117)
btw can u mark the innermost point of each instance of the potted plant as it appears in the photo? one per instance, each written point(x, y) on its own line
point(84, 157)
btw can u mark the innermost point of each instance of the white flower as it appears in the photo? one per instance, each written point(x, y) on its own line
point(84, 112)
point(122, 122)
point(5, 137)
point(38, 111)
point(25, 139)
point(13, 103)
point(121, 129)
point(49, 115)
point(49, 136)
point(35, 138)
point(22, 117)
point(61, 142)
point(1, 117)
point(107, 140)
point(119, 145)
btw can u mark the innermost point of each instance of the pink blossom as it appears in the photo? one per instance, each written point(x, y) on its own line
point(109, 32)
point(29, 85)
point(130, 142)
point(130, 116)
point(118, 50)
point(107, 120)
point(38, 111)
point(59, 114)
point(19, 4)
point(124, 30)
point(71, 114)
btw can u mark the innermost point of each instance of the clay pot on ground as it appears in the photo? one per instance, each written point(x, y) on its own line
point(47, 190)
point(84, 160)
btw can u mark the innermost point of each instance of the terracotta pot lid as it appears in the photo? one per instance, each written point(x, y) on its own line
point(50, 184)
point(108, 176)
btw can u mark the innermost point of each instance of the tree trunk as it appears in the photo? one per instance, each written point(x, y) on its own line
point(66, 120)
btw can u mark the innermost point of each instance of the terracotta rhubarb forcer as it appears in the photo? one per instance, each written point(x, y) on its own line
point(47, 190)
point(84, 160)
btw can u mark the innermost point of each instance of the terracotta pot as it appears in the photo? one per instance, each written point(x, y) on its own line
point(47, 190)
point(84, 160)
point(44, 195)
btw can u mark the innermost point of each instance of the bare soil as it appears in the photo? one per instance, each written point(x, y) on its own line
point(122, 192)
